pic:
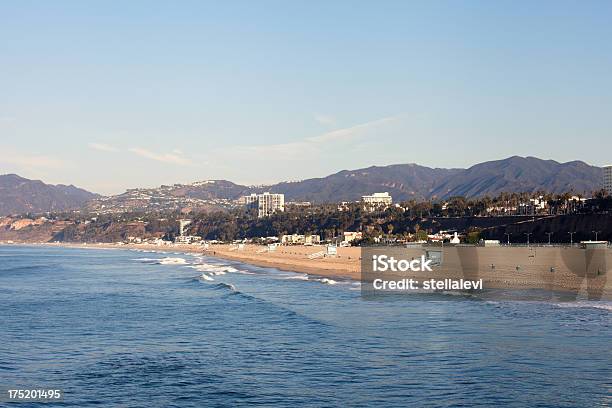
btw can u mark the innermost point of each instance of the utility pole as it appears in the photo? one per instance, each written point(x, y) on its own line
point(595, 232)
point(508, 235)
point(572, 237)
point(549, 234)
point(528, 234)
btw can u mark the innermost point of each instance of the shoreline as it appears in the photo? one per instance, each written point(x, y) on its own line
point(289, 259)
point(347, 264)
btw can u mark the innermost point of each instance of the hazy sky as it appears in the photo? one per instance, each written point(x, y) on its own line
point(111, 95)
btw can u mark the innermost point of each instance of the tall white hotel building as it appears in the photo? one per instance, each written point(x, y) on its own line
point(607, 179)
point(266, 203)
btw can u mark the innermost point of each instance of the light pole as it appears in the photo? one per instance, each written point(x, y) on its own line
point(528, 234)
point(508, 235)
point(549, 234)
point(595, 232)
point(572, 237)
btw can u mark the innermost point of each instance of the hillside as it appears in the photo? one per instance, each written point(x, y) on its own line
point(520, 174)
point(20, 195)
point(411, 181)
point(402, 181)
point(201, 195)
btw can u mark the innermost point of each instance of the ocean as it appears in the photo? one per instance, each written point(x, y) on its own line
point(146, 329)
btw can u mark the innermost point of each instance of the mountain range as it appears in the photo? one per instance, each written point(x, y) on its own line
point(412, 181)
point(402, 181)
point(20, 195)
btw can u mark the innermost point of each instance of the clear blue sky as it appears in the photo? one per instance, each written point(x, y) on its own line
point(111, 95)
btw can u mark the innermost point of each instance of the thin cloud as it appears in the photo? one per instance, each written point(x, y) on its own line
point(103, 147)
point(349, 133)
point(175, 157)
point(314, 144)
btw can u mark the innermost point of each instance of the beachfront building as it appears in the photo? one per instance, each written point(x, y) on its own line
point(187, 239)
point(298, 239)
point(350, 236)
point(376, 201)
point(455, 239)
point(607, 179)
point(266, 203)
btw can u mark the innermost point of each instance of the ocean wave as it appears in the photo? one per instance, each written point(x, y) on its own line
point(225, 286)
point(594, 304)
point(297, 277)
point(172, 261)
point(245, 272)
point(202, 268)
point(206, 277)
point(216, 269)
point(163, 261)
point(146, 260)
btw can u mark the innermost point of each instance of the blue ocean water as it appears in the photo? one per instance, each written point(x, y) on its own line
point(133, 329)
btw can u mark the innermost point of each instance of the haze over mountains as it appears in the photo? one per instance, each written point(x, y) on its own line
point(402, 181)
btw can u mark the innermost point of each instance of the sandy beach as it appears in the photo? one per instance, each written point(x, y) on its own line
point(510, 268)
point(289, 258)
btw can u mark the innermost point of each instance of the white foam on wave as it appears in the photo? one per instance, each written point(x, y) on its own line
point(245, 272)
point(328, 281)
point(206, 277)
point(297, 277)
point(172, 261)
point(146, 260)
point(603, 305)
point(216, 269)
point(217, 273)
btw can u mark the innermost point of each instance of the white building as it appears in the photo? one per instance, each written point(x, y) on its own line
point(455, 239)
point(266, 203)
point(298, 239)
point(187, 239)
point(269, 203)
point(182, 225)
point(538, 203)
point(350, 236)
point(248, 200)
point(607, 178)
point(376, 201)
